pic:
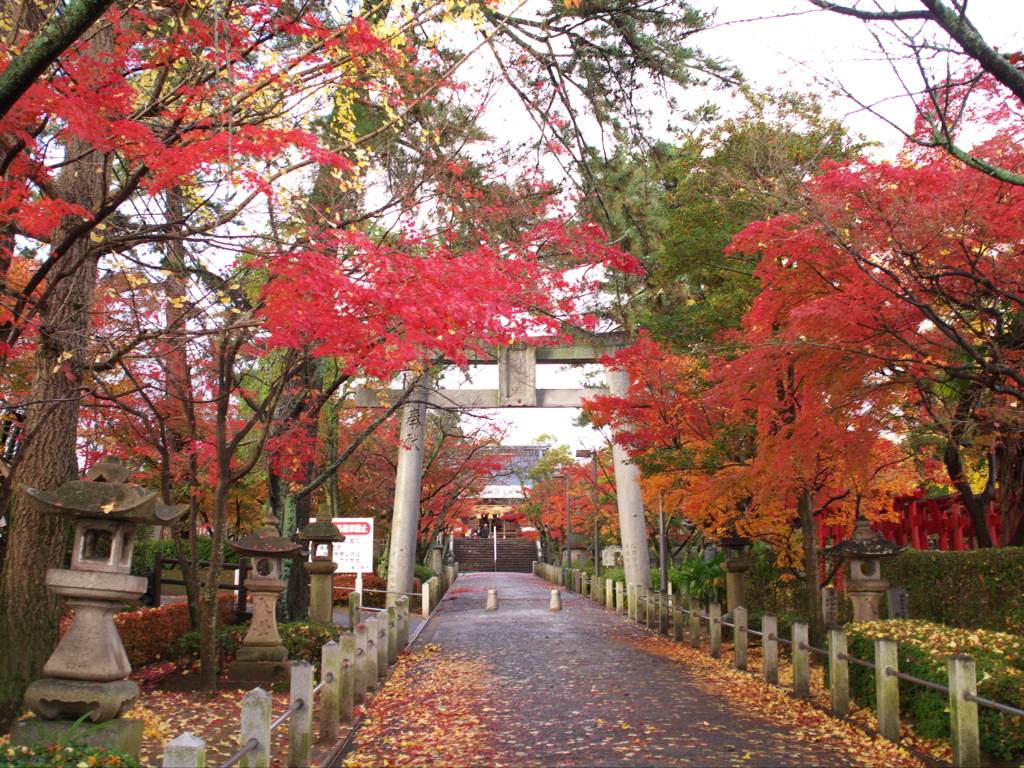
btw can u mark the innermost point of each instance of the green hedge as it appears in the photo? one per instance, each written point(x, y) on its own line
point(142, 561)
point(923, 649)
point(304, 640)
point(978, 589)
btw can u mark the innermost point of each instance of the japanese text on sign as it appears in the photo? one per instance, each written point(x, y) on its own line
point(355, 553)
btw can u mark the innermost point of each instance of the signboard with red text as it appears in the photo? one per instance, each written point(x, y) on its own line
point(355, 553)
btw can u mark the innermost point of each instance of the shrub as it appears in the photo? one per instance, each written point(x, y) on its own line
point(142, 559)
point(147, 632)
point(979, 588)
point(184, 651)
point(423, 573)
point(345, 583)
point(57, 756)
point(924, 649)
point(304, 639)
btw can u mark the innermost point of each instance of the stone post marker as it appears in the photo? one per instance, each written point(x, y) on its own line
point(556, 600)
point(492, 600)
point(321, 534)
point(262, 657)
point(85, 675)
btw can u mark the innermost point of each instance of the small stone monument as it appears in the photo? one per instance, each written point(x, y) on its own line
point(865, 550)
point(85, 674)
point(321, 535)
point(737, 562)
point(262, 657)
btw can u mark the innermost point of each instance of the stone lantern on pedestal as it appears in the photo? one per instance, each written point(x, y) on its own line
point(864, 550)
point(262, 656)
point(736, 564)
point(85, 674)
point(321, 535)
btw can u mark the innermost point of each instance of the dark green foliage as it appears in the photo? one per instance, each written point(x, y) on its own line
point(305, 639)
point(184, 652)
point(58, 756)
point(423, 573)
point(142, 560)
point(923, 649)
point(975, 589)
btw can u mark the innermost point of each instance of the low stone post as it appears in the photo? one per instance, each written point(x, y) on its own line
point(382, 644)
point(609, 594)
point(838, 672)
point(887, 688)
point(354, 605)
point(578, 581)
point(741, 639)
point(492, 600)
point(425, 600)
point(620, 598)
point(677, 620)
point(403, 626)
point(584, 585)
point(694, 622)
point(256, 725)
point(330, 694)
point(770, 648)
point(300, 724)
point(348, 648)
point(631, 608)
point(185, 751)
point(360, 675)
point(556, 600)
point(652, 609)
point(392, 634)
point(663, 614)
point(371, 654)
point(715, 630)
point(963, 714)
point(801, 661)
point(435, 597)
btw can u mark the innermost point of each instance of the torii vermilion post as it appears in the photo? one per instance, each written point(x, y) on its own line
point(517, 377)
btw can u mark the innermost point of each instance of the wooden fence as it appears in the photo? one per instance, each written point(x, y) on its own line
point(648, 609)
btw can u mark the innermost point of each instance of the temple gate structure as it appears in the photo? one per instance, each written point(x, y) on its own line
point(517, 388)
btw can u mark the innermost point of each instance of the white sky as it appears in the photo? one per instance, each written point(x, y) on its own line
point(783, 43)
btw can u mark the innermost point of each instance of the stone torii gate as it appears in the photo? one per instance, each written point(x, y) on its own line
point(517, 388)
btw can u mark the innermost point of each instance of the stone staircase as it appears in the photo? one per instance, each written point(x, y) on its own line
point(476, 555)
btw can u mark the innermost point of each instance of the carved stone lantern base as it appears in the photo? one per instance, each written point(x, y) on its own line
point(53, 698)
point(119, 734)
point(866, 599)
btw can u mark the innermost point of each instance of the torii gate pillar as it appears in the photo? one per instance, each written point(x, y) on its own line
point(405, 519)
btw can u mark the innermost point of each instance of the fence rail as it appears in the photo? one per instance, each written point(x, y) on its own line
point(962, 688)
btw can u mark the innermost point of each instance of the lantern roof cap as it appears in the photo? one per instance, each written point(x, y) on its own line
point(321, 529)
point(266, 541)
point(864, 543)
point(104, 500)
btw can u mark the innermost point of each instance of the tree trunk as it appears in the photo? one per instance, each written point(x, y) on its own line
point(809, 536)
point(29, 614)
point(976, 504)
point(1009, 468)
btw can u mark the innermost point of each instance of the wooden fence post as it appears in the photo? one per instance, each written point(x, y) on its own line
point(838, 672)
point(695, 622)
point(330, 694)
point(887, 688)
point(354, 605)
point(801, 660)
point(300, 724)
point(256, 725)
point(347, 688)
point(382, 644)
point(741, 639)
point(770, 648)
point(371, 654)
point(392, 634)
point(359, 668)
point(185, 751)
point(963, 714)
point(715, 630)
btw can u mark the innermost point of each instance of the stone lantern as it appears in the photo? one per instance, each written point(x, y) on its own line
point(864, 550)
point(261, 657)
point(321, 535)
point(736, 564)
point(85, 674)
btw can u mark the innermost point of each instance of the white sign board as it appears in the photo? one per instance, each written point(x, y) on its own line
point(355, 553)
